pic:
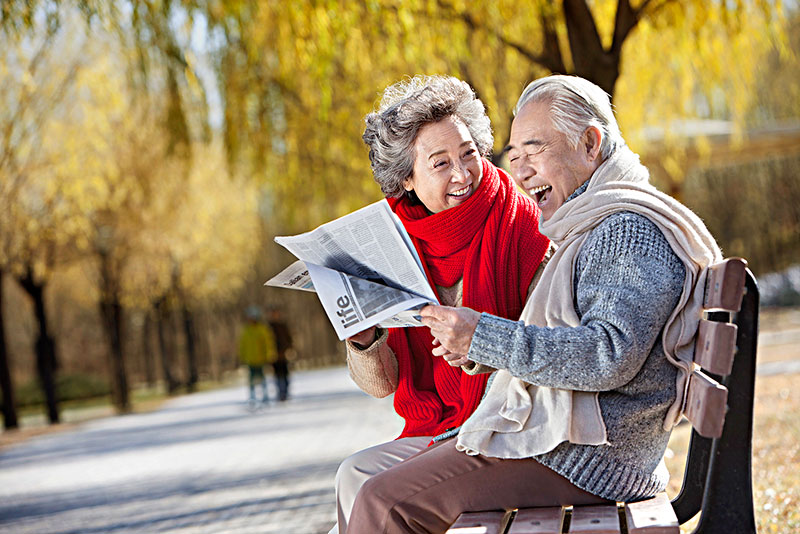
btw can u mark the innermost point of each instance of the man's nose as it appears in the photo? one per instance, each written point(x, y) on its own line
point(521, 171)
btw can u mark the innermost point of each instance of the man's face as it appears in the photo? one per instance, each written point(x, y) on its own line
point(543, 163)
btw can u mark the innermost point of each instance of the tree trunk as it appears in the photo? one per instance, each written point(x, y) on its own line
point(207, 362)
point(166, 355)
point(191, 351)
point(590, 59)
point(46, 362)
point(232, 360)
point(147, 350)
point(112, 314)
point(9, 404)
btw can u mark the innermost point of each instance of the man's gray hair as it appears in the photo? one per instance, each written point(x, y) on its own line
point(407, 106)
point(575, 104)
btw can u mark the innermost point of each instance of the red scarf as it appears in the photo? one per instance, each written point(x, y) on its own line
point(492, 241)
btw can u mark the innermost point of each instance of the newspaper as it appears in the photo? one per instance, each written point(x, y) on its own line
point(364, 269)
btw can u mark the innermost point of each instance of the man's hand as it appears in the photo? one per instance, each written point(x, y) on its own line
point(452, 329)
point(363, 339)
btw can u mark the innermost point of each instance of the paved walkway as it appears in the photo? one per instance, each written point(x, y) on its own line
point(202, 464)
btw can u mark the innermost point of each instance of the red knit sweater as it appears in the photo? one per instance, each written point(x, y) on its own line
point(492, 242)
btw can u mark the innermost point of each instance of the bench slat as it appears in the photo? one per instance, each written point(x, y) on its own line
point(538, 521)
point(598, 519)
point(480, 523)
point(706, 405)
point(715, 346)
point(652, 516)
point(725, 285)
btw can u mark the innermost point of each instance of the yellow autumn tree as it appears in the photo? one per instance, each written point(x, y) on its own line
point(198, 241)
point(293, 84)
point(296, 83)
point(93, 173)
point(41, 65)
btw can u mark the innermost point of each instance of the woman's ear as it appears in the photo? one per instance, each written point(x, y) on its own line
point(407, 185)
point(592, 138)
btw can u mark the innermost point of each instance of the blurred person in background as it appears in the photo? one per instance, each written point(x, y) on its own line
point(283, 344)
point(256, 350)
point(592, 379)
point(478, 239)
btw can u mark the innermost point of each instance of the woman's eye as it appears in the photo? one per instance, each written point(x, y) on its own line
point(439, 164)
point(469, 152)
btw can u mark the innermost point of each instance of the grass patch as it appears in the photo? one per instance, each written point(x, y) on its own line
point(776, 455)
point(69, 387)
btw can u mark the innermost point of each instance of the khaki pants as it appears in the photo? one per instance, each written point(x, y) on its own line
point(427, 493)
point(359, 467)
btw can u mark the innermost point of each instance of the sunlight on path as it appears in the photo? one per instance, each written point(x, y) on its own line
point(202, 464)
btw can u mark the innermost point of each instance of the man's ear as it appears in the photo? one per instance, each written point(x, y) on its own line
point(592, 138)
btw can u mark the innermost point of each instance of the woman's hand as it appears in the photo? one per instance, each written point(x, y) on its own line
point(455, 360)
point(363, 339)
point(452, 329)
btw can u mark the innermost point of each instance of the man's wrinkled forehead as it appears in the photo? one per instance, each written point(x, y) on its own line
point(530, 119)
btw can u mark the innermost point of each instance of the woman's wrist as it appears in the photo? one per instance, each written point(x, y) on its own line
point(364, 340)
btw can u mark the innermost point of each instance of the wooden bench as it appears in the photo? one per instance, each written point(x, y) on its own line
point(717, 478)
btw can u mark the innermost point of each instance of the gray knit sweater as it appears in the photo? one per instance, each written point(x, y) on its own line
point(627, 282)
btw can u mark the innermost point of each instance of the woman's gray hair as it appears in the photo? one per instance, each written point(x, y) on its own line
point(406, 107)
point(575, 104)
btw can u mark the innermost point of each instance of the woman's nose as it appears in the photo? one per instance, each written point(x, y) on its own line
point(460, 172)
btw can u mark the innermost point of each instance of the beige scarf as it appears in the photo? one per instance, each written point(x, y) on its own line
point(519, 420)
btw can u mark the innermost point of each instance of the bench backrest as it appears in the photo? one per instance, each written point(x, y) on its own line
point(717, 477)
point(715, 347)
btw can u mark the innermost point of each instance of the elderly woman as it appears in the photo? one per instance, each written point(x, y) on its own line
point(478, 239)
point(591, 380)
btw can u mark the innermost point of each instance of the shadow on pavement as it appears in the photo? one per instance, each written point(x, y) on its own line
point(155, 500)
point(175, 425)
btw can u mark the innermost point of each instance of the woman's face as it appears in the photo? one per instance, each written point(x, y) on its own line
point(447, 168)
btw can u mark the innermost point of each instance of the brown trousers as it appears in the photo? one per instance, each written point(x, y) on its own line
point(427, 492)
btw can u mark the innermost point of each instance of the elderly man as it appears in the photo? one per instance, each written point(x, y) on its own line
point(591, 379)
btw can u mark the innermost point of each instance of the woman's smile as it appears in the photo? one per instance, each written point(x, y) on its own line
point(462, 192)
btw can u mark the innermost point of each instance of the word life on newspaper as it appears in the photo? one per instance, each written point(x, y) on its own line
point(364, 269)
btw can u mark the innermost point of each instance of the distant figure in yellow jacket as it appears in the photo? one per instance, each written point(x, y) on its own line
point(257, 349)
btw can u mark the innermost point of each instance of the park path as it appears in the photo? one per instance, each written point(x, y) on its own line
point(201, 464)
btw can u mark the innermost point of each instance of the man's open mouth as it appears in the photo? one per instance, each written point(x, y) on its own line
point(539, 192)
